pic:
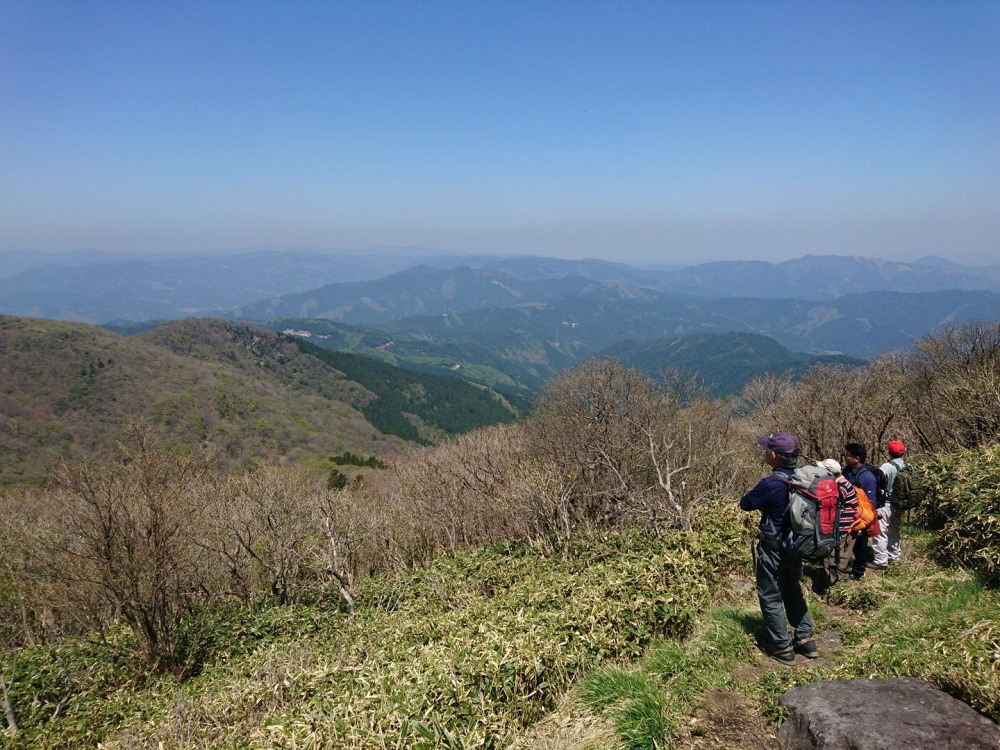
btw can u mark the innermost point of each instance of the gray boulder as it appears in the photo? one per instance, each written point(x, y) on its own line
point(878, 714)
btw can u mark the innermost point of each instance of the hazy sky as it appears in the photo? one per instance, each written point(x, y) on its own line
point(639, 131)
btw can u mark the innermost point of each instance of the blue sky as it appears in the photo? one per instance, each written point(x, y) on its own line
point(638, 131)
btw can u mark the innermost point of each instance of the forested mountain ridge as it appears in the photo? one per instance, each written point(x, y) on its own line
point(243, 391)
point(517, 362)
point(420, 408)
point(725, 362)
point(70, 387)
point(858, 325)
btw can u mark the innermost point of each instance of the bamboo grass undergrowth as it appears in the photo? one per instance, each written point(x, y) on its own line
point(475, 649)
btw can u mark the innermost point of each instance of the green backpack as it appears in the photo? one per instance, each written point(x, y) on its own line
point(907, 490)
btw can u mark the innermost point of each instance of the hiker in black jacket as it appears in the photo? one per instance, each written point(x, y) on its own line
point(858, 474)
point(778, 574)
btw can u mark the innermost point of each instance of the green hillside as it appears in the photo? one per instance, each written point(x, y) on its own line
point(245, 392)
point(69, 388)
point(526, 348)
point(416, 406)
point(516, 366)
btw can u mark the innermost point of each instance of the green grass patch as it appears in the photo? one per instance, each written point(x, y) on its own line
point(919, 619)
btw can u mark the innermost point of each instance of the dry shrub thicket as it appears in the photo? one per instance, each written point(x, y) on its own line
point(146, 539)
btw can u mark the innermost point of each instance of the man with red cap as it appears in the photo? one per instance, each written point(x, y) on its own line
point(892, 551)
point(778, 574)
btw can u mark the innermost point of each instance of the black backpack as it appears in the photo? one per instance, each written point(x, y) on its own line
point(907, 489)
point(881, 486)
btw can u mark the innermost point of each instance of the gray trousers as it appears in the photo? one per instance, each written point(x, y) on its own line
point(895, 550)
point(780, 595)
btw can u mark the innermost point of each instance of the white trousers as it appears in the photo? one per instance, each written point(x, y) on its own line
point(880, 543)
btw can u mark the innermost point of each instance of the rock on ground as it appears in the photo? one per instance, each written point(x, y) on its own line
point(876, 714)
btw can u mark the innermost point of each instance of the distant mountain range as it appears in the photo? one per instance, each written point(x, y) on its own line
point(386, 284)
point(858, 325)
point(511, 323)
point(138, 290)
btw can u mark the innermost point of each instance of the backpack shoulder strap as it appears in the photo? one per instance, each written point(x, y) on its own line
point(787, 481)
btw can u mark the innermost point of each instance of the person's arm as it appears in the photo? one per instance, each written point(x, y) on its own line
point(889, 469)
point(762, 492)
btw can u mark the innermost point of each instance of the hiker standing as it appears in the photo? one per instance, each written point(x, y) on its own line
point(838, 564)
point(895, 449)
point(778, 574)
point(857, 473)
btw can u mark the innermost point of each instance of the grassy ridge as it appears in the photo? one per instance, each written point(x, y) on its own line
point(920, 620)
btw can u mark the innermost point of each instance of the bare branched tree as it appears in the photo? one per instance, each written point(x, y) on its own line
point(830, 406)
point(129, 542)
point(346, 524)
point(628, 446)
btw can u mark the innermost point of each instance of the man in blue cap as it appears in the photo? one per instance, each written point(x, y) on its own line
point(778, 574)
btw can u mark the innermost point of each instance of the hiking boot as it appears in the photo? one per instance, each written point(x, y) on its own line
point(807, 648)
point(876, 566)
point(784, 655)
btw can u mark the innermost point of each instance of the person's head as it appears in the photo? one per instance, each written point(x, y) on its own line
point(780, 449)
point(895, 448)
point(831, 465)
point(855, 454)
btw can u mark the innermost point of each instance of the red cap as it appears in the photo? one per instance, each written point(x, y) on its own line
point(895, 447)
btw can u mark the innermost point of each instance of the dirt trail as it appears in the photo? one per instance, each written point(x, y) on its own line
point(732, 719)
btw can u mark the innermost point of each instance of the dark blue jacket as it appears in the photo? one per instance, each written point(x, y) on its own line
point(863, 477)
point(770, 497)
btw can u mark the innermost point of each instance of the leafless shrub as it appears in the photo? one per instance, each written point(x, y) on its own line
point(263, 525)
point(347, 525)
point(830, 406)
point(129, 542)
point(630, 448)
point(30, 601)
point(954, 390)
